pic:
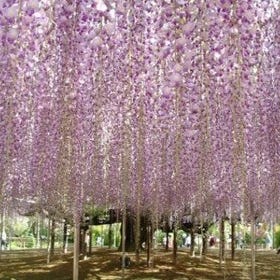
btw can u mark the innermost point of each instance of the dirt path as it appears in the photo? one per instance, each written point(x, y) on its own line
point(104, 264)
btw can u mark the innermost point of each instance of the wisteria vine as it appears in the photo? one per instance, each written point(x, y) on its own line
point(168, 105)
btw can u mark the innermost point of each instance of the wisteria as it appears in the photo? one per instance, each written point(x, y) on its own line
point(166, 106)
point(190, 86)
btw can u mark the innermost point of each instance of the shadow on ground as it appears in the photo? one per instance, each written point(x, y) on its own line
point(104, 264)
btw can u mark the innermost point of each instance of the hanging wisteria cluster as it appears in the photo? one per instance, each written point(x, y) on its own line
point(168, 105)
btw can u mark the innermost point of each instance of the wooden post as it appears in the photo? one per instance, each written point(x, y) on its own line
point(232, 240)
point(253, 248)
point(148, 243)
point(1, 229)
point(272, 234)
point(140, 176)
point(49, 241)
point(174, 244)
point(123, 239)
point(137, 231)
point(52, 237)
point(76, 250)
point(222, 241)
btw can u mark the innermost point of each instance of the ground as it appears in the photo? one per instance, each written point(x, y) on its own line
point(104, 264)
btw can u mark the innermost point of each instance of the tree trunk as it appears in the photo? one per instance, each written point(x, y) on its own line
point(253, 249)
point(123, 240)
point(42, 222)
point(232, 240)
point(192, 251)
point(148, 245)
point(129, 240)
point(49, 242)
point(204, 243)
point(38, 231)
point(83, 247)
point(65, 237)
point(90, 242)
point(137, 235)
point(222, 241)
point(76, 250)
point(167, 241)
point(52, 237)
point(86, 244)
point(272, 234)
point(174, 245)
point(2, 228)
point(110, 236)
